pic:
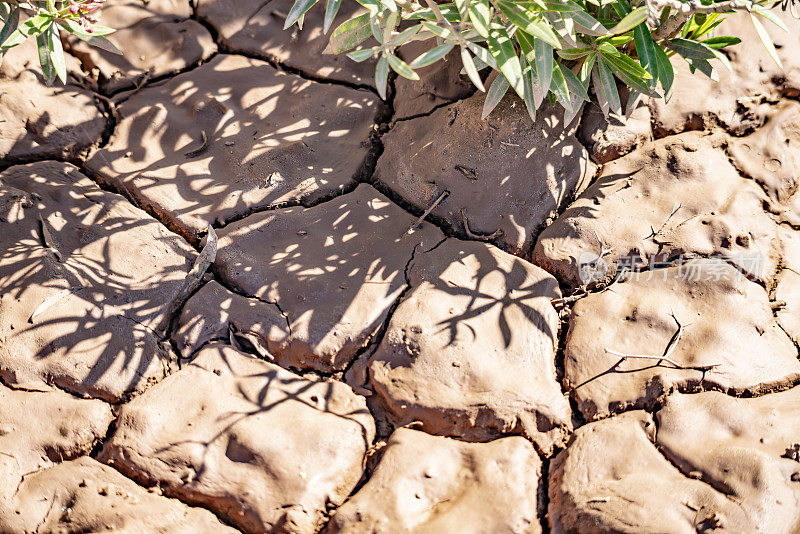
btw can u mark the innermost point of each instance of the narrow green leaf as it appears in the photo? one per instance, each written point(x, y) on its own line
point(574, 53)
point(480, 13)
point(586, 68)
point(607, 86)
point(588, 25)
point(375, 27)
point(374, 6)
point(529, 90)
point(627, 70)
point(463, 9)
point(48, 71)
point(56, 53)
point(558, 86)
point(382, 76)
point(495, 94)
point(10, 25)
point(472, 72)
point(16, 38)
point(502, 49)
point(630, 21)
point(616, 41)
point(703, 66)
point(666, 73)
point(574, 84)
point(362, 55)
point(100, 30)
point(529, 22)
point(544, 62)
point(770, 16)
point(646, 50)
point(389, 24)
point(95, 40)
point(349, 34)
point(483, 54)
point(567, 37)
point(438, 31)
point(431, 56)
point(690, 49)
point(402, 68)
point(389, 4)
point(449, 12)
point(527, 46)
point(766, 40)
point(721, 42)
point(331, 9)
point(297, 10)
point(404, 36)
point(556, 6)
point(711, 21)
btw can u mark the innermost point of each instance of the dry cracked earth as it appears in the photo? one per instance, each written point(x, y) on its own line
point(346, 366)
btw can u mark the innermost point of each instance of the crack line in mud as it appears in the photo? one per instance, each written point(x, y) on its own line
point(165, 492)
point(702, 478)
point(53, 385)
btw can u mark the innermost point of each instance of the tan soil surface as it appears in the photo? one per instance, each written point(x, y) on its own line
point(731, 340)
point(334, 270)
point(38, 430)
point(254, 28)
point(505, 175)
point(432, 484)
point(745, 448)
point(156, 38)
point(741, 100)
point(84, 495)
point(470, 350)
point(612, 478)
point(86, 280)
point(594, 329)
point(224, 139)
point(39, 121)
point(675, 196)
point(261, 446)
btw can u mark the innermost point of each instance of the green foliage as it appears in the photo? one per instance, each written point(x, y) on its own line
point(44, 22)
point(559, 49)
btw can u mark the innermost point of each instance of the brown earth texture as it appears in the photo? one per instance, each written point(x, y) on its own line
point(594, 328)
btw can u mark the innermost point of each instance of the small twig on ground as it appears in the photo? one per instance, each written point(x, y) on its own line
point(665, 357)
point(139, 86)
point(428, 211)
point(471, 235)
point(778, 305)
point(603, 250)
point(472, 174)
point(202, 148)
point(654, 232)
point(563, 301)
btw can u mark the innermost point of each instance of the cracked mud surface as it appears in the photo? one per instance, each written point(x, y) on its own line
point(346, 367)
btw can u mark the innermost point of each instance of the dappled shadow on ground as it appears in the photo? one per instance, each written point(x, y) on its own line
point(85, 279)
point(255, 28)
point(247, 439)
point(232, 136)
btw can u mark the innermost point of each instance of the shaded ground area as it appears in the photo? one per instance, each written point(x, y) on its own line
point(594, 328)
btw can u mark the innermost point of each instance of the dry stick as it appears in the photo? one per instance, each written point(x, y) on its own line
point(653, 233)
point(665, 357)
point(427, 212)
point(471, 235)
point(139, 86)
